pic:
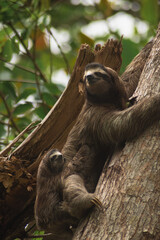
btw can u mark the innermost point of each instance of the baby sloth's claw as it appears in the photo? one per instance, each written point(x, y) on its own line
point(97, 202)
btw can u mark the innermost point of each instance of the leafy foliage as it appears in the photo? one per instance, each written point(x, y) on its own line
point(39, 38)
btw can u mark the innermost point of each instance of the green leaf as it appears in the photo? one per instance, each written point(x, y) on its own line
point(49, 99)
point(150, 11)
point(85, 39)
point(52, 88)
point(2, 38)
point(23, 122)
point(22, 108)
point(2, 130)
point(9, 89)
point(38, 233)
point(15, 45)
point(41, 111)
point(26, 33)
point(61, 87)
point(2, 106)
point(45, 4)
point(35, 3)
point(7, 50)
point(27, 92)
point(2, 35)
point(130, 50)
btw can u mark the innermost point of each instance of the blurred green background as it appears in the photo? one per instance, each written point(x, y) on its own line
point(39, 41)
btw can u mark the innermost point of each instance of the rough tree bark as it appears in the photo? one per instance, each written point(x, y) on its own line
point(18, 170)
point(129, 186)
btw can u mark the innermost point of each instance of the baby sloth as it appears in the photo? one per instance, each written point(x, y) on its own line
point(65, 190)
point(50, 210)
point(49, 213)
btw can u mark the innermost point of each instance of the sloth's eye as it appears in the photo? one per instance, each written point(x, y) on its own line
point(91, 78)
point(103, 76)
point(53, 157)
point(99, 74)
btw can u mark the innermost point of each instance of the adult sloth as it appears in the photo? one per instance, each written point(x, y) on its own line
point(103, 124)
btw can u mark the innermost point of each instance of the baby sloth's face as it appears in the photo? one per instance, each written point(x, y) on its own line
point(55, 161)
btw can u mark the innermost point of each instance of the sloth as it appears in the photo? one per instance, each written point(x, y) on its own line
point(104, 123)
point(48, 210)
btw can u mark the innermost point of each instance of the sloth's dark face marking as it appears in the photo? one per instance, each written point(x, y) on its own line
point(92, 76)
point(95, 72)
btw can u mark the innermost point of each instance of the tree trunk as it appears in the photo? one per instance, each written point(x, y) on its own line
point(129, 186)
point(18, 171)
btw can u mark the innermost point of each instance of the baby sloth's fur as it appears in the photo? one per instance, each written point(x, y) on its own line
point(49, 214)
point(66, 193)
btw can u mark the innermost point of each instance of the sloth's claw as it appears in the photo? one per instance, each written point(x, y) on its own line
point(97, 202)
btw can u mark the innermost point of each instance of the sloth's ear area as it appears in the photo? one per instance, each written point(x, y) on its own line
point(81, 86)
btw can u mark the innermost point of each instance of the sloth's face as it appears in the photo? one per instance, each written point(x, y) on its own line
point(99, 81)
point(55, 161)
point(97, 76)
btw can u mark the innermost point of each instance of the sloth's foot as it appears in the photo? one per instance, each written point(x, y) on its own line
point(97, 202)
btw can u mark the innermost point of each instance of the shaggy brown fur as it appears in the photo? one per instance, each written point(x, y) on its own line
point(103, 124)
point(49, 214)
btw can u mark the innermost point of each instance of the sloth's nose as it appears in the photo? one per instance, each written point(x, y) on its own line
point(59, 157)
point(90, 78)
